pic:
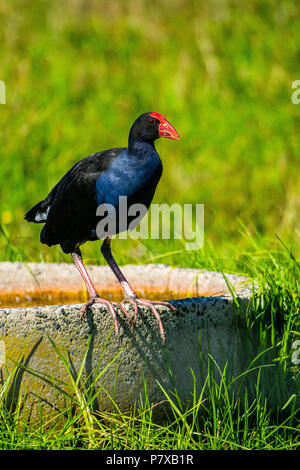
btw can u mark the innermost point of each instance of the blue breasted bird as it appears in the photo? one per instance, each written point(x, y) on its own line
point(69, 210)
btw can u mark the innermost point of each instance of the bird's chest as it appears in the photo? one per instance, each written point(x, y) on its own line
point(137, 180)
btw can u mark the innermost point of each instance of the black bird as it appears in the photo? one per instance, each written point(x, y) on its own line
point(69, 210)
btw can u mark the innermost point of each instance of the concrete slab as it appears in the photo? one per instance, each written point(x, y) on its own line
point(205, 325)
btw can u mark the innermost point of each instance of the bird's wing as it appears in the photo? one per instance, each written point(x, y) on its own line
point(71, 212)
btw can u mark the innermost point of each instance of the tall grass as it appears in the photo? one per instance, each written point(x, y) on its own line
point(79, 72)
point(218, 418)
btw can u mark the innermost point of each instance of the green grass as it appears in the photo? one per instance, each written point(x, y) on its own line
point(216, 420)
point(77, 74)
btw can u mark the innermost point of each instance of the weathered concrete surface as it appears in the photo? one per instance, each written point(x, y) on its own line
point(21, 279)
point(201, 326)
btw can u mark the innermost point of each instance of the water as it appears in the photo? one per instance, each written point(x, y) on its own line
point(59, 297)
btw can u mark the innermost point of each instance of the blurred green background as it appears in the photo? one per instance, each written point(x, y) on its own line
point(79, 72)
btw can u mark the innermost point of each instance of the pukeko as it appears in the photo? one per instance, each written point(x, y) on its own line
point(69, 210)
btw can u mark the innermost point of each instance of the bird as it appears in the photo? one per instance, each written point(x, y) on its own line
point(69, 211)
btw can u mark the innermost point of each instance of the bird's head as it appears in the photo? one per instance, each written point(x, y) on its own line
point(151, 126)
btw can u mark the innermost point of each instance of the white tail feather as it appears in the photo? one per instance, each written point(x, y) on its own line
point(42, 216)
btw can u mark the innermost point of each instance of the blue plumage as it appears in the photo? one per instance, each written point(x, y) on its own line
point(133, 175)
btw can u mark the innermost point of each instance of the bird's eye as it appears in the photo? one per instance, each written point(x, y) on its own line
point(151, 121)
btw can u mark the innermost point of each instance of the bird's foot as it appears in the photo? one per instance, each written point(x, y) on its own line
point(152, 305)
point(112, 306)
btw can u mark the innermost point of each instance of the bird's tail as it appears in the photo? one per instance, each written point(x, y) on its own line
point(38, 213)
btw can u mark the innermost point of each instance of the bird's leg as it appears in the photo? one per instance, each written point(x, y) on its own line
point(106, 251)
point(94, 296)
point(130, 295)
point(77, 257)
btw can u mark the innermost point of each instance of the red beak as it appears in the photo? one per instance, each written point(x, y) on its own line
point(165, 128)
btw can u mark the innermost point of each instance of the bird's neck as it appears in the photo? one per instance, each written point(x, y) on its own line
point(140, 147)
